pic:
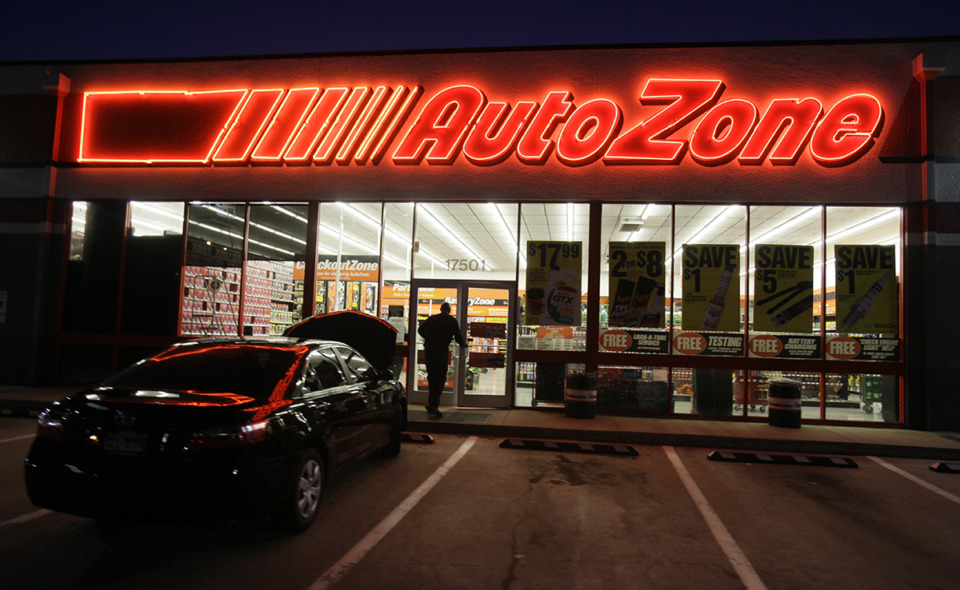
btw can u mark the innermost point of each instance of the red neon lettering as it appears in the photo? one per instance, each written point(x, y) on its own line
point(317, 124)
point(442, 126)
point(348, 114)
point(359, 124)
point(391, 129)
point(846, 132)
point(497, 132)
point(722, 132)
point(381, 124)
point(166, 131)
point(363, 123)
point(248, 125)
point(588, 132)
point(790, 118)
point(289, 118)
point(646, 143)
point(535, 145)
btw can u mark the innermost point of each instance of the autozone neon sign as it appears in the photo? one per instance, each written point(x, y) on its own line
point(342, 125)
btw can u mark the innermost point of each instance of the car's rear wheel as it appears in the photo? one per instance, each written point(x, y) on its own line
point(303, 499)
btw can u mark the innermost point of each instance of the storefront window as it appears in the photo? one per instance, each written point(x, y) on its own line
point(634, 313)
point(863, 397)
point(863, 310)
point(553, 282)
point(709, 273)
point(151, 278)
point(276, 242)
point(78, 227)
point(784, 278)
point(91, 293)
point(398, 249)
point(212, 270)
point(348, 267)
point(633, 389)
point(466, 241)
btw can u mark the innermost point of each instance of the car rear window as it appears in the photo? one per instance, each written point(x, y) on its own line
point(253, 371)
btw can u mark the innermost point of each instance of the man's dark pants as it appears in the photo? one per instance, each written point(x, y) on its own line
point(436, 361)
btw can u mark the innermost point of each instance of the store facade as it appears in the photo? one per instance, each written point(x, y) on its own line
point(687, 223)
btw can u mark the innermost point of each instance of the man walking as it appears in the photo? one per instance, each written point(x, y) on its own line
point(437, 331)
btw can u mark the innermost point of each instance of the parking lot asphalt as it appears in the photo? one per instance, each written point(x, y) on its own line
point(693, 431)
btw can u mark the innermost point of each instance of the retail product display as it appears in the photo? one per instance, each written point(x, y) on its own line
point(211, 299)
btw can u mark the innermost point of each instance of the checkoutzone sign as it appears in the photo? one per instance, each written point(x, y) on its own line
point(815, 461)
point(407, 125)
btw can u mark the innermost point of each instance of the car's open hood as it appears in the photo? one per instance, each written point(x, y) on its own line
point(372, 337)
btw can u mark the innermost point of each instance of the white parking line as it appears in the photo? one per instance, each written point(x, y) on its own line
point(24, 518)
point(360, 550)
point(738, 560)
point(6, 440)
point(916, 480)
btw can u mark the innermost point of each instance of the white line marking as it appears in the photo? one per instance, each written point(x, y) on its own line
point(360, 550)
point(6, 440)
point(738, 560)
point(916, 480)
point(24, 518)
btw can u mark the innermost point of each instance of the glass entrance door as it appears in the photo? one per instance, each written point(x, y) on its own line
point(482, 373)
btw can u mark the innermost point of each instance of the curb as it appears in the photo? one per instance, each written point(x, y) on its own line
point(690, 440)
point(31, 409)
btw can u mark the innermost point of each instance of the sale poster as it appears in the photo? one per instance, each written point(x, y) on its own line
point(637, 284)
point(783, 288)
point(711, 287)
point(867, 290)
point(554, 277)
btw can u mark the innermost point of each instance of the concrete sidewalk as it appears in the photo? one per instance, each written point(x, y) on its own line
point(553, 423)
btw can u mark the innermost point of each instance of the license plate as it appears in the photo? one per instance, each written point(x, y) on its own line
point(125, 443)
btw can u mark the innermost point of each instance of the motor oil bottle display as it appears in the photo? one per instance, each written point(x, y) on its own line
point(554, 276)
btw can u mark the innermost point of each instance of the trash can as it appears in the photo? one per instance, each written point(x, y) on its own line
point(784, 401)
point(580, 396)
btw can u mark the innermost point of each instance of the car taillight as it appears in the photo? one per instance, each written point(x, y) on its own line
point(228, 437)
point(52, 425)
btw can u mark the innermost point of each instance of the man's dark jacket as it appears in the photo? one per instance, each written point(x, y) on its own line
point(438, 330)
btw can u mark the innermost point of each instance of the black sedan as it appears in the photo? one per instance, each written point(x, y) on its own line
point(223, 427)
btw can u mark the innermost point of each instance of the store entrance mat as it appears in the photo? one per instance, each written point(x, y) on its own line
point(945, 467)
point(462, 417)
point(416, 438)
point(773, 459)
point(568, 447)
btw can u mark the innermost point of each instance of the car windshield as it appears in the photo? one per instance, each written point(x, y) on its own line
point(253, 371)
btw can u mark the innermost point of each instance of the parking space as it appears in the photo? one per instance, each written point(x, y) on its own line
point(510, 518)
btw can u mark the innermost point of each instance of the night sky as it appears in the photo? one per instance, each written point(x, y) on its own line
point(42, 30)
